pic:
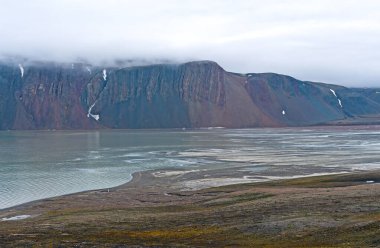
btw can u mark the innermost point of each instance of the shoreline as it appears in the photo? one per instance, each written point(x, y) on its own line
point(156, 209)
point(69, 194)
point(178, 182)
point(335, 124)
point(178, 171)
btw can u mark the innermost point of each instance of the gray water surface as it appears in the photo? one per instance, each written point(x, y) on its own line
point(41, 164)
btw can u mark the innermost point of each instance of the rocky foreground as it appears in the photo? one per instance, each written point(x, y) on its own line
point(41, 95)
point(157, 209)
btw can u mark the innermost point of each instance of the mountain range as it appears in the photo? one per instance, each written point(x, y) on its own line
point(189, 95)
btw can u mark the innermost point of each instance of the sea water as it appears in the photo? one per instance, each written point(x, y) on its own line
point(40, 164)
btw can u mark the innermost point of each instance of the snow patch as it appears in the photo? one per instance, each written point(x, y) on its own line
point(333, 91)
point(204, 183)
point(211, 128)
point(283, 112)
point(21, 70)
point(105, 74)
point(370, 181)
point(172, 173)
point(88, 69)
point(340, 103)
point(18, 217)
point(96, 117)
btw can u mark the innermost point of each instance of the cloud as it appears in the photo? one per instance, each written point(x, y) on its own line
point(321, 40)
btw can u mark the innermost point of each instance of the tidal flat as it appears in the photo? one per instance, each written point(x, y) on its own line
point(41, 164)
point(283, 187)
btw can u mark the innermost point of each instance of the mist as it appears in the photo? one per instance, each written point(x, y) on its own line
point(316, 40)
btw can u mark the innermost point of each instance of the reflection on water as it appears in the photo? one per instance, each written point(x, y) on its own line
point(40, 164)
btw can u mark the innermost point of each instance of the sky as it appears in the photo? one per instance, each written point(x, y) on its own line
point(332, 41)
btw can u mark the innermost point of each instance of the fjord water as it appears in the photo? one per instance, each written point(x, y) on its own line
point(41, 164)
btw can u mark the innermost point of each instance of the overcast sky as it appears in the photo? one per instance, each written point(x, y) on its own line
point(334, 41)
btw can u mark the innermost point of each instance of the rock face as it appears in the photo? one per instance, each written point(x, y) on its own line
point(195, 94)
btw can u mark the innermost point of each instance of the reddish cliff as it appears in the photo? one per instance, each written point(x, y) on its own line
point(195, 94)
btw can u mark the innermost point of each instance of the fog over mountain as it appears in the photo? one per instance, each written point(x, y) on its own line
point(318, 40)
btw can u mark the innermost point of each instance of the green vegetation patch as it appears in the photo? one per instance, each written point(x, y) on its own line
point(236, 199)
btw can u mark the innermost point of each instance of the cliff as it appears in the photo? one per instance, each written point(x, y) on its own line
point(194, 94)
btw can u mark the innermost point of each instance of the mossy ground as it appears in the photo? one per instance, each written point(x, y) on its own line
point(327, 211)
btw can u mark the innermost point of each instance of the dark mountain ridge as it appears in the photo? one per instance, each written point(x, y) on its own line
point(192, 95)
